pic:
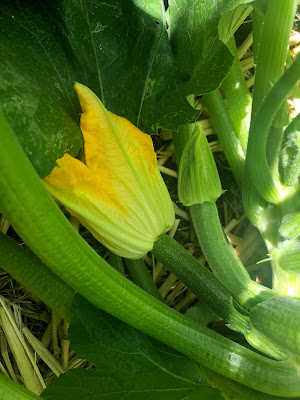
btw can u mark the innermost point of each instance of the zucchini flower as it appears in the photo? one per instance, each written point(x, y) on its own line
point(198, 177)
point(118, 194)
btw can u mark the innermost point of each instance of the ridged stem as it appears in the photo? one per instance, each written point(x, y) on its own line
point(256, 164)
point(257, 29)
point(238, 97)
point(272, 49)
point(255, 206)
point(40, 223)
point(225, 129)
point(207, 287)
point(141, 277)
point(222, 258)
point(271, 316)
point(116, 262)
point(36, 277)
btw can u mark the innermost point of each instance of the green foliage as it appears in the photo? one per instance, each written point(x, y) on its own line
point(124, 55)
point(232, 20)
point(128, 363)
point(120, 49)
point(36, 82)
point(144, 63)
point(193, 30)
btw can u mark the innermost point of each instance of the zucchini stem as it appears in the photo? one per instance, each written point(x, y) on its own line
point(222, 258)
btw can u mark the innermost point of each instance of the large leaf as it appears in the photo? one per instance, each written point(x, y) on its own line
point(120, 49)
point(128, 364)
point(36, 86)
point(125, 57)
point(194, 37)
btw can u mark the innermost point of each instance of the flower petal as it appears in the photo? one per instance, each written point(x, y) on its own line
point(81, 192)
point(125, 158)
point(119, 194)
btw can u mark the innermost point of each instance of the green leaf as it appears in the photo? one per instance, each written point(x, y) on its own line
point(125, 57)
point(128, 363)
point(36, 86)
point(232, 20)
point(120, 49)
point(194, 37)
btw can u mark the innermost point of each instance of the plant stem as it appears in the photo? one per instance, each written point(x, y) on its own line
point(278, 319)
point(254, 205)
point(116, 262)
point(37, 219)
point(272, 49)
point(36, 277)
point(141, 277)
point(257, 29)
point(226, 133)
point(238, 97)
point(222, 258)
point(200, 281)
point(256, 163)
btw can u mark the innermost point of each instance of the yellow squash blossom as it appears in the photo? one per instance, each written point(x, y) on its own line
point(118, 194)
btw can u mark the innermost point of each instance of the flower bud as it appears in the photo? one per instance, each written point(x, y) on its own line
point(198, 178)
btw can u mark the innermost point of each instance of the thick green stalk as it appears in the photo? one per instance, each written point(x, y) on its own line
point(10, 390)
point(240, 103)
point(272, 48)
point(200, 281)
point(257, 29)
point(225, 129)
point(271, 316)
point(116, 262)
point(238, 97)
point(254, 205)
point(256, 163)
point(273, 148)
point(38, 220)
point(222, 258)
point(141, 277)
point(36, 277)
